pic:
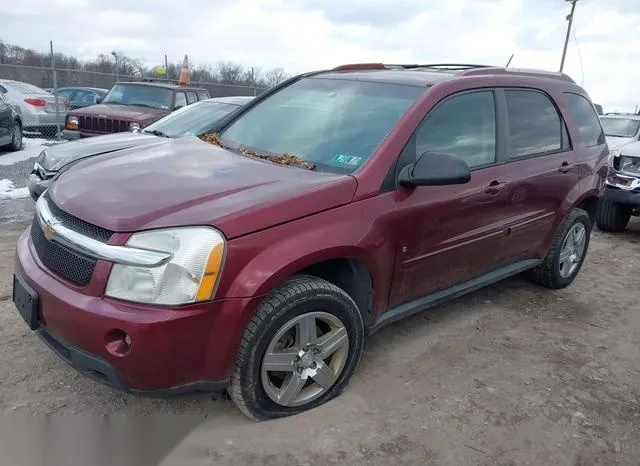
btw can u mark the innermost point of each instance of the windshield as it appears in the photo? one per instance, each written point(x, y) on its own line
point(147, 96)
point(335, 124)
point(191, 120)
point(620, 127)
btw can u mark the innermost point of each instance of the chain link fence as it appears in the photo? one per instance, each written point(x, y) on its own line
point(40, 118)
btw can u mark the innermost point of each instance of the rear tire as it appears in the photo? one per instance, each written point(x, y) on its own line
point(309, 370)
point(613, 217)
point(567, 253)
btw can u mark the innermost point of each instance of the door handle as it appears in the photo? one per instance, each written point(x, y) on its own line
point(495, 187)
point(565, 167)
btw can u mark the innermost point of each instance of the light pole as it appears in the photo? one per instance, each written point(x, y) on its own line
point(115, 57)
point(566, 40)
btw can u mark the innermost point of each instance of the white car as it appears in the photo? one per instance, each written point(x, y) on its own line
point(620, 129)
point(37, 105)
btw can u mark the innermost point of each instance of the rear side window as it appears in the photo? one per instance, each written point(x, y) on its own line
point(202, 95)
point(464, 125)
point(535, 128)
point(584, 114)
point(191, 97)
point(181, 99)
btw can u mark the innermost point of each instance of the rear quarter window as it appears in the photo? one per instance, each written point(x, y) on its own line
point(585, 116)
point(202, 95)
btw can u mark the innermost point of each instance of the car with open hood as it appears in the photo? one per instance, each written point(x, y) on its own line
point(195, 119)
point(258, 257)
point(130, 106)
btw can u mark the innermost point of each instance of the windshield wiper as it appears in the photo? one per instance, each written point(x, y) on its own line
point(113, 102)
point(144, 105)
point(156, 132)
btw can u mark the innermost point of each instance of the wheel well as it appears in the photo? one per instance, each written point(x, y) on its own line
point(590, 205)
point(351, 276)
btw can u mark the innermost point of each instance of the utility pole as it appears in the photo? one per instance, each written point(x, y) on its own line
point(566, 40)
point(166, 67)
point(115, 57)
point(55, 89)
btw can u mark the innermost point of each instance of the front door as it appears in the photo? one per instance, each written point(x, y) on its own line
point(450, 234)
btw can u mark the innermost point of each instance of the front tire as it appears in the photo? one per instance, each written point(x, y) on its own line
point(299, 350)
point(16, 137)
point(567, 253)
point(613, 217)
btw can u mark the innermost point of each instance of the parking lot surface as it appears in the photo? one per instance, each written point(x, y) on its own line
point(510, 375)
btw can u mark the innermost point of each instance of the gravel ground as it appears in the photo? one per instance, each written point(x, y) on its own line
point(510, 375)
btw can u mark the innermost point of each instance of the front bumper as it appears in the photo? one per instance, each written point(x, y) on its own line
point(70, 135)
point(173, 350)
point(36, 186)
point(622, 196)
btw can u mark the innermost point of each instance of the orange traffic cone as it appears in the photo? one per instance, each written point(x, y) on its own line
point(184, 72)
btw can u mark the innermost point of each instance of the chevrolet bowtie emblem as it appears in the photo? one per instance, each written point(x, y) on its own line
point(48, 230)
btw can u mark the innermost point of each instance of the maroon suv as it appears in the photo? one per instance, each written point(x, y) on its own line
point(130, 106)
point(259, 258)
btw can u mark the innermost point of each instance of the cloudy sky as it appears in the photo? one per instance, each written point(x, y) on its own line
point(301, 35)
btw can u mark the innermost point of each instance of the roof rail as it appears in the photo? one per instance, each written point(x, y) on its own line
point(441, 66)
point(518, 72)
point(360, 66)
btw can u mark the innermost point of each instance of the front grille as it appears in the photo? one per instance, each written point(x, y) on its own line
point(70, 265)
point(102, 125)
point(80, 226)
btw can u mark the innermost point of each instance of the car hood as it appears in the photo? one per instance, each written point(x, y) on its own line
point(128, 112)
point(615, 142)
point(59, 155)
point(190, 182)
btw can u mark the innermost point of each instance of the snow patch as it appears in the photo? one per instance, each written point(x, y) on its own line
point(9, 191)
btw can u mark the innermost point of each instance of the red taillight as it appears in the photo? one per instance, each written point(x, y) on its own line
point(36, 102)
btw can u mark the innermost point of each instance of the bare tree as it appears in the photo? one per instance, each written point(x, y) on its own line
point(274, 76)
point(230, 73)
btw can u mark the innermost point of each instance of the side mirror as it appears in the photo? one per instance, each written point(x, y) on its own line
point(435, 169)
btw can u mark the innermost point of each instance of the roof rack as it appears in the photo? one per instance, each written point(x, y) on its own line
point(411, 66)
point(517, 71)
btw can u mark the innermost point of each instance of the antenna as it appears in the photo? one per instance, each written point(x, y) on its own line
point(509, 62)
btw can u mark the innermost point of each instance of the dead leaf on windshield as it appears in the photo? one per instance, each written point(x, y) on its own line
point(212, 138)
point(284, 159)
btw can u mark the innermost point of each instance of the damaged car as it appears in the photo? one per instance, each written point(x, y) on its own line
point(621, 198)
point(194, 119)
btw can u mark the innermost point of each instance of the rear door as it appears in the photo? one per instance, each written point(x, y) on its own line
point(450, 234)
point(542, 169)
point(5, 121)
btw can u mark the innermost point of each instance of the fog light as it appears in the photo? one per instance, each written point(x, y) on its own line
point(117, 343)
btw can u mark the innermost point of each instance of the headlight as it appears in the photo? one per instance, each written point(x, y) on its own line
point(134, 126)
point(40, 159)
point(72, 122)
point(190, 276)
point(629, 165)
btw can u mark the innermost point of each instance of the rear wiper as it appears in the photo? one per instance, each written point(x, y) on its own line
point(156, 132)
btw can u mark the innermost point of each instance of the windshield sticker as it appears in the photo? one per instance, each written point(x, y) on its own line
point(346, 160)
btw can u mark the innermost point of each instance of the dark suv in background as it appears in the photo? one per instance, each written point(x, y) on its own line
point(259, 258)
point(130, 106)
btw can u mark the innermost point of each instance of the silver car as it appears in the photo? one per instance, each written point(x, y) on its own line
point(38, 107)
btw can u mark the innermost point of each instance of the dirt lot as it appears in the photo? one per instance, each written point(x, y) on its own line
point(510, 375)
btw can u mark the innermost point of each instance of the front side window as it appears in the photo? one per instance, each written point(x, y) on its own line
point(534, 124)
point(193, 119)
point(335, 124)
point(620, 127)
point(587, 119)
point(463, 125)
point(142, 95)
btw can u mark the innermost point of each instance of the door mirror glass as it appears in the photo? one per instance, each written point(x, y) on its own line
point(435, 169)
